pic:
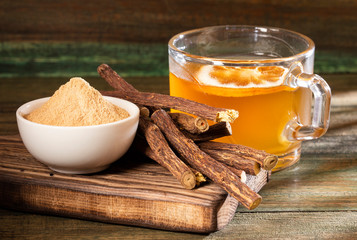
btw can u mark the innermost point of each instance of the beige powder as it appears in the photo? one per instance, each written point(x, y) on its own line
point(76, 103)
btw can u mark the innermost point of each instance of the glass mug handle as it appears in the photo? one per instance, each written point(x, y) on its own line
point(321, 108)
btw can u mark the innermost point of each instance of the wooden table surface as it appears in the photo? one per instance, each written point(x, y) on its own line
point(316, 198)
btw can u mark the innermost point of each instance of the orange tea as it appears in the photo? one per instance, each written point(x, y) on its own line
point(265, 106)
point(265, 73)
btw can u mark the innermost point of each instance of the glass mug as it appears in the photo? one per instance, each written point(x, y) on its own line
point(265, 73)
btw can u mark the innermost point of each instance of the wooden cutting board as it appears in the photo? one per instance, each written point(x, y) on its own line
point(133, 191)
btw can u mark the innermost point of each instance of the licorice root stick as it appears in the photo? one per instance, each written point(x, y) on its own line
point(126, 91)
point(191, 124)
point(217, 130)
point(233, 160)
point(164, 155)
point(217, 172)
point(266, 161)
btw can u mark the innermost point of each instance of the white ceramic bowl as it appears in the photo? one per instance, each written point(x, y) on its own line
point(78, 150)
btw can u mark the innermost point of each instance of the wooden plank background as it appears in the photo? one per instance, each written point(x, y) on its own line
point(332, 24)
point(59, 38)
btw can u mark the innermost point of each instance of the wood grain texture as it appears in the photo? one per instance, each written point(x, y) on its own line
point(157, 21)
point(291, 225)
point(20, 225)
point(131, 191)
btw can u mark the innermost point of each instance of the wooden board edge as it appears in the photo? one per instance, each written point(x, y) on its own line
point(172, 216)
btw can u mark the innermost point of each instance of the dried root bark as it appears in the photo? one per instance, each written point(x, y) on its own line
point(234, 151)
point(190, 124)
point(127, 91)
point(163, 154)
point(201, 161)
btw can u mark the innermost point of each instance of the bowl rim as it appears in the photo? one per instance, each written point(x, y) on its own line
point(132, 116)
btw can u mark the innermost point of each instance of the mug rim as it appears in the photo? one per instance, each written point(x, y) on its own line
point(236, 62)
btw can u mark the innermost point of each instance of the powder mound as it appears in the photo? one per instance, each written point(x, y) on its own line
point(76, 103)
